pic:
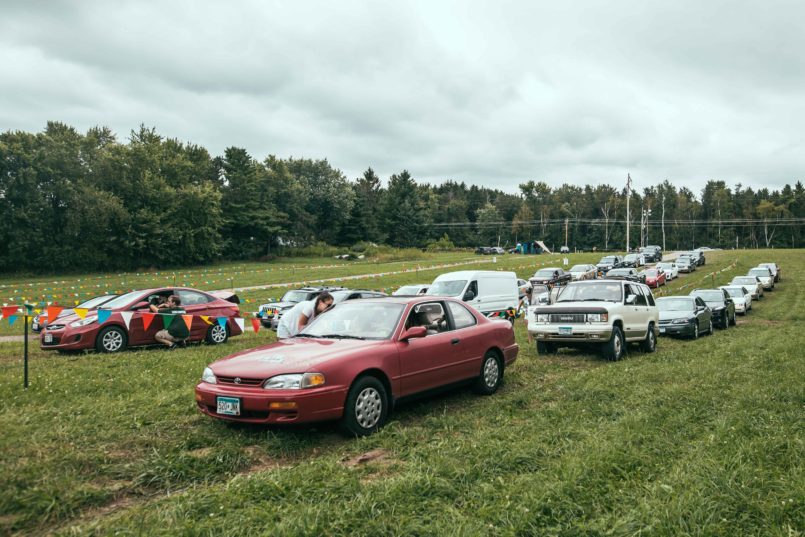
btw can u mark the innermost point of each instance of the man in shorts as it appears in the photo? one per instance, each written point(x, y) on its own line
point(177, 331)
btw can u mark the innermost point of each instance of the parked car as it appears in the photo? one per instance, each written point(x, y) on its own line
point(652, 253)
point(774, 268)
point(686, 316)
point(606, 313)
point(630, 274)
point(764, 275)
point(670, 269)
point(720, 303)
point(608, 263)
point(654, 277)
point(741, 296)
point(355, 294)
point(355, 362)
point(72, 333)
point(698, 256)
point(752, 283)
point(413, 289)
point(564, 250)
point(497, 250)
point(583, 272)
point(489, 291)
point(685, 263)
point(483, 250)
point(271, 313)
point(634, 260)
point(39, 321)
point(551, 275)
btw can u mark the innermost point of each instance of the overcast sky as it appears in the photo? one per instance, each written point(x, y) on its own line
point(492, 93)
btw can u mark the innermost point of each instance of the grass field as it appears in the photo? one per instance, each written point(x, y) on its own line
point(703, 437)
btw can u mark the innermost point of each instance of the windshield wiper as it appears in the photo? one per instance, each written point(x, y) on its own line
point(340, 336)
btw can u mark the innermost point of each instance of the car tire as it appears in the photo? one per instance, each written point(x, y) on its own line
point(650, 343)
point(710, 327)
point(546, 348)
point(734, 320)
point(695, 335)
point(726, 322)
point(366, 408)
point(491, 375)
point(217, 334)
point(614, 349)
point(111, 339)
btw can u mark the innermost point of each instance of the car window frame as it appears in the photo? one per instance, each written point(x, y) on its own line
point(452, 321)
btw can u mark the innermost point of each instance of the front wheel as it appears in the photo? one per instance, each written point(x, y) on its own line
point(734, 321)
point(695, 330)
point(614, 348)
point(111, 339)
point(217, 334)
point(725, 323)
point(491, 375)
point(710, 327)
point(366, 408)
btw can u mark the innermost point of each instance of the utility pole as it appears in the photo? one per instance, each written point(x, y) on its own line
point(565, 231)
point(663, 220)
point(628, 196)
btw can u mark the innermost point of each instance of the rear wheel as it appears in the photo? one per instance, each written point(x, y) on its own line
point(111, 339)
point(650, 343)
point(217, 334)
point(613, 350)
point(366, 409)
point(491, 375)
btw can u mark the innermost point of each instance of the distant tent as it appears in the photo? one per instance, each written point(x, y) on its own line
point(544, 248)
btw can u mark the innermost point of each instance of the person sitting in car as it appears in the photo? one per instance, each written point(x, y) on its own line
point(301, 314)
point(177, 331)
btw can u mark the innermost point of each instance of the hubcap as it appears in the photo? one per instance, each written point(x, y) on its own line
point(696, 331)
point(617, 346)
point(112, 341)
point(368, 407)
point(651, 339)
point(491, 372)
point(218, 334)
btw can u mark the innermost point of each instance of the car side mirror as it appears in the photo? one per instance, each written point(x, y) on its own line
point(469, 295)
point(413, 333)
point(631, 299)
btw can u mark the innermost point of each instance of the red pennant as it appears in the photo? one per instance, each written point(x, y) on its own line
point(53, 312)
point(8, 311)
point(256, 324)
point(148, 319)
point(188, 320)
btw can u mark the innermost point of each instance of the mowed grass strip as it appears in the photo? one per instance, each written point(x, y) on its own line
point(702, 437)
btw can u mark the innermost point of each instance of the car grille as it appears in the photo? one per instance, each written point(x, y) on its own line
point(577, 318)
point(243, 381)
point(55, 327)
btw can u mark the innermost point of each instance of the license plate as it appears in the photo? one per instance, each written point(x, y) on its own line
point(228, 406)
point(565, 330)
point(48, 338)
point(662, 330)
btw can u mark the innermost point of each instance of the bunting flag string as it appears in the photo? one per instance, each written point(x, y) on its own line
point(255, 325)
point(148, 318)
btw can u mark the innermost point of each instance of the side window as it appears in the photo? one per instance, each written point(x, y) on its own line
point(628, 290)
point(462, 318)
point(472, 290)
point(649, 296)
point(191, 298)
point(641, 296)
point(699, 302)
point(431, 315)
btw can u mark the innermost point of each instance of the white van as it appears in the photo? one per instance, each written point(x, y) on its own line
point(488, 291)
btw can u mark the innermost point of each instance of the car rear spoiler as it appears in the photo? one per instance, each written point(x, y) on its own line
point(229, 296)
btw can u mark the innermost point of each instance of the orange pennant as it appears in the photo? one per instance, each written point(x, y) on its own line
point(8, 311)
point(256, 324)
point(148, 319)
point(188, 320)
point(53, 312)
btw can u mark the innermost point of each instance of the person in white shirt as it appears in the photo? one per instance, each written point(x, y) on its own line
point(300, 315)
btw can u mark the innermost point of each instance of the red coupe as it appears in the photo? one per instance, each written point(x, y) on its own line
point(356, 361)
point(655, 277)
point(124, 321)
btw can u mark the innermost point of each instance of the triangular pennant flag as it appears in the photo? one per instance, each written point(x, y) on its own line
point(256, 325)
point(240, 322)
point(206, 319)
point(53, 312)
point(148, 319)
point(81, 312)
point(188, 320)
point(167, 319)
point(103, 316)
point(221, 321)
point(8, 311)
point(11, 319)
point(127, 315)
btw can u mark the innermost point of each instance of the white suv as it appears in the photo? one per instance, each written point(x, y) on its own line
point(609, 313)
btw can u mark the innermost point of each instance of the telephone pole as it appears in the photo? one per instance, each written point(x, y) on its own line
point(628, 196)
point(566, 232)
point(663, 220)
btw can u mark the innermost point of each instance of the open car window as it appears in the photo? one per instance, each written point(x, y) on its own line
point(431, 315)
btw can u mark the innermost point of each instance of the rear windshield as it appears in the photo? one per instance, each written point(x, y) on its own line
point(675, 304)
point(579, 268)
point(759, 272)
point(545, 273)
point(608, 259)
point(710, 296)
point(735, 292)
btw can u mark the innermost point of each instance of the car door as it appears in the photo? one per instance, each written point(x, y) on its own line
point(632, 311)
point(467, 339)
point(196, 304)
point(430, 361)
point(138, 334)
point(703, 315)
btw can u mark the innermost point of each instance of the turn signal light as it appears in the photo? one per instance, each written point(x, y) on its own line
point(282, 405)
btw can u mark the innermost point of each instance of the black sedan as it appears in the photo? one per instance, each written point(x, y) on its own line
point(629, 274)
point(686, 316)
point(721, 304)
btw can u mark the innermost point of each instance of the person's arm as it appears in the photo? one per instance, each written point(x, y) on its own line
point(153, 308)
point(303, 320)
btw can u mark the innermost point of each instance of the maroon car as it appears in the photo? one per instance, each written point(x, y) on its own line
point(356, 361)
point(72, 333)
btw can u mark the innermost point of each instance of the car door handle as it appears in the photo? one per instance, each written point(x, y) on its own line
point(455, 341)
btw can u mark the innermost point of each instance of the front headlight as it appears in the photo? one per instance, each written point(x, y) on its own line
point(597, 317)
point(542, 317)
point(681, 321)
point(208, 376)
point(84, 322)
point(294, 381)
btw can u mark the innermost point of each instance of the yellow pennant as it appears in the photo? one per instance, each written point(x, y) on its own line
point(206, 319)
point(81, 312)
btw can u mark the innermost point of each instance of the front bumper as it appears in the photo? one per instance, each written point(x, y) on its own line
point(684, 330)
point(740, 307)
point(579, 333)
point(317, 404)
point(67, 339)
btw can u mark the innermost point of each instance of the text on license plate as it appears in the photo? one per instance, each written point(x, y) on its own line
point(662, 330)
point(565, 330)
point(48, 338)
point(228, 406)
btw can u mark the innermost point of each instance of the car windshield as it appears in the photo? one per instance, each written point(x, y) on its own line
point(710, 296)
point(675, 304)
point(762, 273)
point(407, 290)
point(356, 320)
point(736, 292)
point(447, 288)
point(95, 302)
point(579, 268)
point(294, 297)
point(608, 259)
point(122, 300)
point(605, 292)
point(545, 273)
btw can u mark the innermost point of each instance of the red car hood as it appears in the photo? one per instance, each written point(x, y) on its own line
point(297, 355)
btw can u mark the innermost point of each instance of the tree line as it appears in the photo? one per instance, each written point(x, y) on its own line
point(73, 201)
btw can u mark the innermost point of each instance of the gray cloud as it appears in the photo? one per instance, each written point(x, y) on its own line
point(486, 92)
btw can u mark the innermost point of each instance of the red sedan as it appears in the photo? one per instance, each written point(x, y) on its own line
point(129, 314)
point(357, 360)
point(655, 277)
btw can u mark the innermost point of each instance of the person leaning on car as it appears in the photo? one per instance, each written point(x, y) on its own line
point(300, 315)
point(177, 331)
